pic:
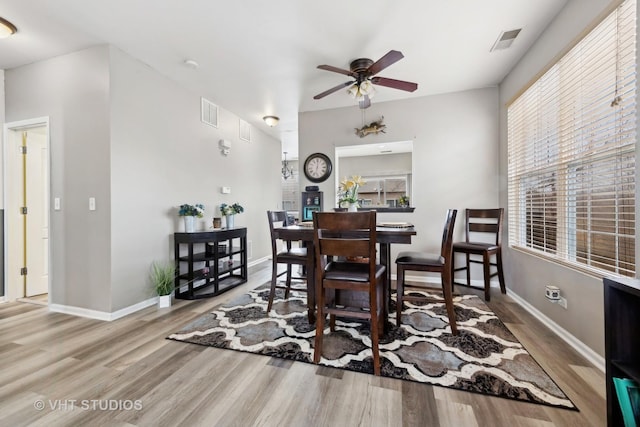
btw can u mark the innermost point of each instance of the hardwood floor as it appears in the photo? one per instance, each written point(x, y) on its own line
point(125, 373)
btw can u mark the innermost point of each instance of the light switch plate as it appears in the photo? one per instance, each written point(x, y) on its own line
point(56, 203)
point(92, 203)
point(226, 190)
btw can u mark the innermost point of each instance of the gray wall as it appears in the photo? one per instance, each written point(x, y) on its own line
point(73, 90)
point(528, 275)
point(453, 166)
point(124, 134)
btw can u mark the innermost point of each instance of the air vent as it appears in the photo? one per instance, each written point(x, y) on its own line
point(209, 113)
point(505, 39)
point(245, 131)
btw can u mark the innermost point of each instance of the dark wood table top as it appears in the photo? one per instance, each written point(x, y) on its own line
point(383, 234)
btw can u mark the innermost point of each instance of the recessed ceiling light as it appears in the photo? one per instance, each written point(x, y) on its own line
point(6, 28)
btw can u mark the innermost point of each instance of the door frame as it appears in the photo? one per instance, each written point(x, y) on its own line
point(11, 293)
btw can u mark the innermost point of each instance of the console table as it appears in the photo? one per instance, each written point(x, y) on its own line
point(209, 263)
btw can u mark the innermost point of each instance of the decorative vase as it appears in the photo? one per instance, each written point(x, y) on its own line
point(164, 301)
point(230, 221)
point(353, 207)
point(189, 224)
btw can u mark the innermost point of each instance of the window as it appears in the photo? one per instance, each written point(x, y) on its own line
point(571, 149)
point(383, 190)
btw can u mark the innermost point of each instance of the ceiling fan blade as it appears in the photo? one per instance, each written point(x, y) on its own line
point(336, 70)
point(390, 58)
point(365, 103)
point(395, 84)
point(333, 89)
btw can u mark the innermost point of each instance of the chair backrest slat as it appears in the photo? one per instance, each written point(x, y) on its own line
point(345, 234)
point(484, 221)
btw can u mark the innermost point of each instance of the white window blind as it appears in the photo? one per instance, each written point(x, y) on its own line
point(571, 150)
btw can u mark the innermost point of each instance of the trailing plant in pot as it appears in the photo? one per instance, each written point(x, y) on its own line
point(162, 277)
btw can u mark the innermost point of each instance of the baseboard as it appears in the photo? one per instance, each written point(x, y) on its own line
point(102, 315)
point(579, 346)
point(258, 261)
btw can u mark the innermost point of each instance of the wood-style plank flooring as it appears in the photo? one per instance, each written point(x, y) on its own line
point(125, 373)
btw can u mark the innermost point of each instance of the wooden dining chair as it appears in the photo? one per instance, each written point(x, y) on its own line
point(353, 289)
point(289, 255)
point(483, 237)
point(436, 263)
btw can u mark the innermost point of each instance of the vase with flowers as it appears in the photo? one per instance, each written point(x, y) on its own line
point(348, 192)
point(229, 212)
point(190, 213)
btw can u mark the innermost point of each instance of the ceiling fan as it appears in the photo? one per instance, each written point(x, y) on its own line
point(364, 71)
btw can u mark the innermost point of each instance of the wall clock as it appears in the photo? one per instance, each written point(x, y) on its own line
point(317, 167)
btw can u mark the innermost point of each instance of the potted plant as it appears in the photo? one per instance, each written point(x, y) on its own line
point(229, 211)
point(348, 192)
point(162, 277)
point(190, 212)
point(403, 201)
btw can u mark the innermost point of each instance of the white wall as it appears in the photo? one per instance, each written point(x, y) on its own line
point(124, 134)
point(454, 166)
point(528, 275)
point(73, 90)
point(162, 156)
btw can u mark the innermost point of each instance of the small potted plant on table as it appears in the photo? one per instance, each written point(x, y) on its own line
point(190, 212)
point(229, 211)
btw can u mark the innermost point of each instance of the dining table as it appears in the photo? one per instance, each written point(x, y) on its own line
point(385, 237)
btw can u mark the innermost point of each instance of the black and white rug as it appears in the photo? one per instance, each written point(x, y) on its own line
point(485, 357)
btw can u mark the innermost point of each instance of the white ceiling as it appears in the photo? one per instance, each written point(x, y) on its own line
point(259, 58)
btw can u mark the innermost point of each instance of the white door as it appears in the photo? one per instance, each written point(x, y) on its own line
point(37, 238)
point(27, 185)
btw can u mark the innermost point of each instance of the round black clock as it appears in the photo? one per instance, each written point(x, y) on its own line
point(317, 167)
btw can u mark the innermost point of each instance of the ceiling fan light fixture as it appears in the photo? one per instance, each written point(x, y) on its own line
point(6, 28)
point(271, 121)
point(360, 90)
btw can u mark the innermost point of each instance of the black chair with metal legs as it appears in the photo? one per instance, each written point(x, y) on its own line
point(437, 263)
point(289, 255)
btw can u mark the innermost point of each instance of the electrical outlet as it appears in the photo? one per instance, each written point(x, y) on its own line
point(562, 302)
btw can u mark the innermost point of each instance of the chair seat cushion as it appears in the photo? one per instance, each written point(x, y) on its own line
point(350, 271)
point(293, 253)
point(419, 258)
point(474, 247)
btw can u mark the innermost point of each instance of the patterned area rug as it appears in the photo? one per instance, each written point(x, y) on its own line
point(484, 358)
